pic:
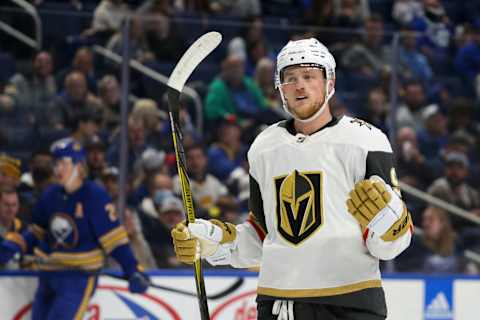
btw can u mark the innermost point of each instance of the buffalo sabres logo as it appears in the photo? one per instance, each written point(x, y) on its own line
point(64, 231)
point(299, 205)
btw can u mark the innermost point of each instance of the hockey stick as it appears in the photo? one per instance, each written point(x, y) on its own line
point(225, 292)
point(198, 51)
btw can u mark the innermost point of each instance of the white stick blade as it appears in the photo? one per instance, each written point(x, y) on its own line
point(198, 51)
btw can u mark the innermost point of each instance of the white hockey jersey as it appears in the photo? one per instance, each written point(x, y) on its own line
point(300, 232)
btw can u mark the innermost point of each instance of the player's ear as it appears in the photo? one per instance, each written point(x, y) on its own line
point(331, 84)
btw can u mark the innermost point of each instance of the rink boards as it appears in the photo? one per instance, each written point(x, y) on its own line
point(412, 297)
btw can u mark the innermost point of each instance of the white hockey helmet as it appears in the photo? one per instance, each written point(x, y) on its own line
point(308, 53)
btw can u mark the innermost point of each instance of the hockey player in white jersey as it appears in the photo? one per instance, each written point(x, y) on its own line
point(324, 201)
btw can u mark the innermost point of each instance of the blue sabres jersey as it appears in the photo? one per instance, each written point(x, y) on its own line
point(76, 230)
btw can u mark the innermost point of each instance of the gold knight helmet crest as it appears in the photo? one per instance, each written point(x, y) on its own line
point(299, 211)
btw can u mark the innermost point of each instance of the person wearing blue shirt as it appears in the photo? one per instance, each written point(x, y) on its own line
point(74, 227)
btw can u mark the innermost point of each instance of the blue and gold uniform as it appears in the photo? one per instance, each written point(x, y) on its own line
point(71, 235)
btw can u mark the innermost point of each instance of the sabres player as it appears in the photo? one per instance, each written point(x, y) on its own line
point(74, 226)
point(324, 204)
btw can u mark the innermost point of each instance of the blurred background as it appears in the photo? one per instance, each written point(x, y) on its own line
point(409, 67)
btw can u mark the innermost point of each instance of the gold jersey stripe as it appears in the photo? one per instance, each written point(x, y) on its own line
point(113, 243)
point(91, 260)
point(58, 267)
point(111, 239)
point(324, 292)
point(18, 239)
point(86, 298)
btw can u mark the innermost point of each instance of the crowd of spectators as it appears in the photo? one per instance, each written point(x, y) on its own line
point(66, 89)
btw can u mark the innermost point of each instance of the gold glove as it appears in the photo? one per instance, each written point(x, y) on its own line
point(377, 207)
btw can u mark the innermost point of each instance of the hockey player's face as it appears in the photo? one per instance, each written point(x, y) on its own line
point(63, 170)
point(304, 90)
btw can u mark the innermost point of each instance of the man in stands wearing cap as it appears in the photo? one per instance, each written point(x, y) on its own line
point(9, 171)
point(433, 136)
point(454, 189)
point(74, 226)
point(157, 229)
point(96, 157)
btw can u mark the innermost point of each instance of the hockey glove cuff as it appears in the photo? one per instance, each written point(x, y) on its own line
point(203, 238)
point(379, 209)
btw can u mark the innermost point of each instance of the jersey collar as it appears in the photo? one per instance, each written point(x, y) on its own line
point(288, 125)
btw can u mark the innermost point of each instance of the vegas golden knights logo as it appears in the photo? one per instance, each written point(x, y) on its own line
point(299, 205)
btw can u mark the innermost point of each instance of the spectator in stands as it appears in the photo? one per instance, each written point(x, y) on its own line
point(467, 60)
point(107, 18)
point(9, 222)
point(35, 181)
point(151, 163)
point(436, 29)
point(149, 6)
point(437, 251)
point(96, 159)
point(164, 37)
point(136, 143)
point(228, 153)
point(350, 13)
point(236, 8)
point(83, 63)
point(191, 6)
point(433, 136)
point(157, 229)
point(454, 189)
point(40, 173)
point(10, 171)
point(233, 94)
point(462, 117)
point(156, 125)
point(404, 11)
point(109, 179)
point(367, 58)
point(208, 192)
point(156, 187)
point(256, 44)
point(412, 165)
point(138, 46)
point(74, 100)
point(264, 75)
point(413, 63)
point(441, 239)
point(36, 88)
point(409, 113)
point(318, 12)
point(377, 109)
point(9, 113)
point(109, 94)
point(85, 125)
